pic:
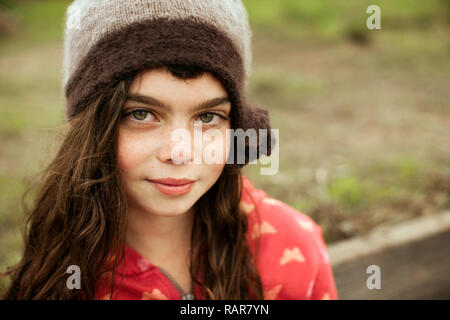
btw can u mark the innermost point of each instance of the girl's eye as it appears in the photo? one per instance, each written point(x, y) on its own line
point(140, 114)
point(208, 117)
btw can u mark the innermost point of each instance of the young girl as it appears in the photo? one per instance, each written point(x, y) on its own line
point(127, 204)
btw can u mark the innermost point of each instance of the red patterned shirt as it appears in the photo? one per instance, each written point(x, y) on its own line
point(293, 260)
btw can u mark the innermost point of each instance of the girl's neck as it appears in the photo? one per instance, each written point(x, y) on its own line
point(161, 240)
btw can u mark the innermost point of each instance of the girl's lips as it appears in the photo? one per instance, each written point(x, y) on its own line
point(172, 190)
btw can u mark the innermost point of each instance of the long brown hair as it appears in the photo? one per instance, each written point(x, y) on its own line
point(79, 216)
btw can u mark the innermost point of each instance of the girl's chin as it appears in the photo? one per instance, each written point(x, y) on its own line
point(167, 211)
point(171, 214)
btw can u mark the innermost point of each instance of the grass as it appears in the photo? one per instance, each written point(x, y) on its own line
point(364, 125)
point(334, 20)
point(40, 21)
point(280, 87)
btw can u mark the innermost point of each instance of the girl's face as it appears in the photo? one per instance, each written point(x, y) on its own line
point(148, 148)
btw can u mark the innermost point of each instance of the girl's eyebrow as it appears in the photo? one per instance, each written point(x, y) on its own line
point(151, 101)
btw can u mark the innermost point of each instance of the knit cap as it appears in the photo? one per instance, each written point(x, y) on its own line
point(109, 40)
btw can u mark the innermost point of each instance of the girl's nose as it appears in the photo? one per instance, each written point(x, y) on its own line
point(176, 146)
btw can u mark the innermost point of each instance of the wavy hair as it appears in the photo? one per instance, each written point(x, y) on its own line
point(79, 216)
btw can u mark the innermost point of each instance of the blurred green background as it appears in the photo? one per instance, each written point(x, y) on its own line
point(363, 114)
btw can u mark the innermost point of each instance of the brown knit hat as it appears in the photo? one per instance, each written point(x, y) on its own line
point(109, 40)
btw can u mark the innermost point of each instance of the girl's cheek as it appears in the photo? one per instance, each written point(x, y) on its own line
point(130, 151)
point(125, 156)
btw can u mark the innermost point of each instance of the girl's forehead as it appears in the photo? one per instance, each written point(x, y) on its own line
point(162, 78)
point(159, 87)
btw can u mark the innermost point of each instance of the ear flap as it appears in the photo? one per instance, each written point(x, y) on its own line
point(257, 119)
